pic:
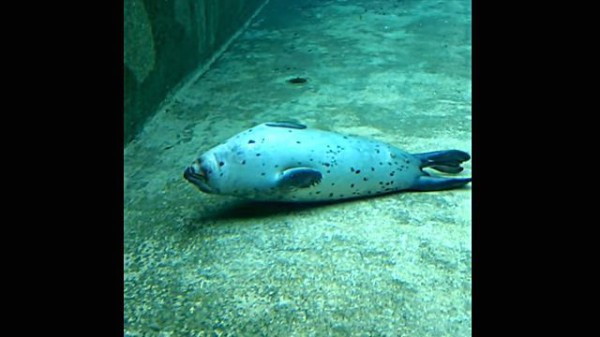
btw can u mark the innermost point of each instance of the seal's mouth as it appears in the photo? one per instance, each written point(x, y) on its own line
point(195, 175)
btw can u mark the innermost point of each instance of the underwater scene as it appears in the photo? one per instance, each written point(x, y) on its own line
point(313, 181)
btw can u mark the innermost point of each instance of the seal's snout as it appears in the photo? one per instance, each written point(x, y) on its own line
point(190, 173)
point(196, 168)
point(194, 172)
point(195, 175)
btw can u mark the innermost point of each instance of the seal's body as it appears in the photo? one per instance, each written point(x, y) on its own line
point(285, 161)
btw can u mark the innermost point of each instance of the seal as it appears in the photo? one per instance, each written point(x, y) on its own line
point(286, 161)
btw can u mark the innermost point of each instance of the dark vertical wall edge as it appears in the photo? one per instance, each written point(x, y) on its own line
point(166, 41)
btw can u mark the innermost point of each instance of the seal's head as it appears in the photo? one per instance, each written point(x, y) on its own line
point(199, 174)
point(218, 170)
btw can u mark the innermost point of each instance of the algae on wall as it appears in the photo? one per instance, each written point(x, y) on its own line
point(166, 40)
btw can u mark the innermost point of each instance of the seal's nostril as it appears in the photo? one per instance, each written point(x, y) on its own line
point(188, 172)
point(196, 166)
point(192, 174)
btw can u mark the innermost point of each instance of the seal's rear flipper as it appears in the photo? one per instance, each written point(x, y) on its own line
point(443, 161)
point(430, 183)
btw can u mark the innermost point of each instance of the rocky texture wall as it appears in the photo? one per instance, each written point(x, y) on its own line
point(166, 40)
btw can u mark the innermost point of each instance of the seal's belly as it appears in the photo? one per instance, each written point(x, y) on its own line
point(254, 160)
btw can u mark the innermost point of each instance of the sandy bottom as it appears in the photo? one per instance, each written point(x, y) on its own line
point(395, 265)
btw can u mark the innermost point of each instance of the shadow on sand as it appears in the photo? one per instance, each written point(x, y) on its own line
point(244, 209)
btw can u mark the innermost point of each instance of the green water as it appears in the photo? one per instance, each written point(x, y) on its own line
point(396, 265)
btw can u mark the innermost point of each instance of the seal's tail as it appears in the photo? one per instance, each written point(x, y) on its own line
point(443, 161)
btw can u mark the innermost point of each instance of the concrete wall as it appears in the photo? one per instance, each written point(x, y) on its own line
point(165, 40)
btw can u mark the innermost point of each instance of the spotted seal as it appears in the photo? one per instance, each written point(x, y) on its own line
point(286, 161)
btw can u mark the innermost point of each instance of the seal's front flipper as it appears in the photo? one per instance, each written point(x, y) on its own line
point(430, 183)
point(299, 177)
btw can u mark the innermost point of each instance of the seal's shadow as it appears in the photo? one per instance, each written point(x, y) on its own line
point(258, 209)
point(220, 214)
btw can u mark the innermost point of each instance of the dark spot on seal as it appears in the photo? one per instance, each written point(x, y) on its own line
point(326, 164)
point(351, 185)
point(297, 142)
point(377, 151)
point(352, 169)
point(221, 174)
point(251, 141)
point(297, 80)
point(262, 174)
point(318, 192)
point(332, 184)
point(365, 179)
point(221, 163)
point(372, 169)
point(392, 173)
point(258, 154)
point(330, 195)
point(357, 172)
